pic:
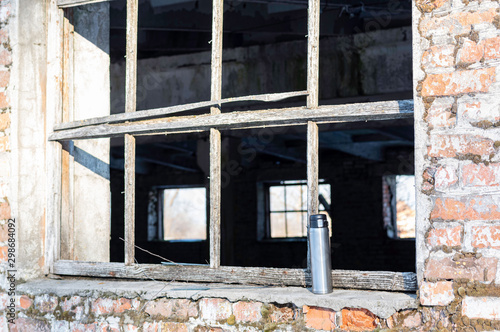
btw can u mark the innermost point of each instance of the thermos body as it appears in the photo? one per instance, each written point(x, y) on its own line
point(319, 244)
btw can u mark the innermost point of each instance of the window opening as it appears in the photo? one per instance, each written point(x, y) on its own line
point(399, 206)
point(287, 215)
point(184, 214)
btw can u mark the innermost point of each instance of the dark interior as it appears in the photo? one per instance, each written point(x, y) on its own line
point(354, 156)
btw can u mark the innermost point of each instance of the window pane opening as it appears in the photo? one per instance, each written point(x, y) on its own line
point(171, 199)
point(184, 214)
point(288, 208)
point(399, 199)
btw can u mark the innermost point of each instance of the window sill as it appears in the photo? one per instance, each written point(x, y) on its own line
point(382, 304)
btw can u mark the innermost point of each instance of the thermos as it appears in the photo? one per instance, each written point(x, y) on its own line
point(319, 244)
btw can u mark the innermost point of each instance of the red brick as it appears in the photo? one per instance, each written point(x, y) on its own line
point(5, 58)
point(29, 324)
point(247, 311)
point(445, 177)
point(458, 82)
point(467, 208)
point(449, 146)
point(486, 237)
point(4, 144)
point(491, 48)
point(445, 236)
point(105, 306)
point(130, 328)
point(4, 121)
point(480, 175)
point(174, 327)
point(480, 269)
point(24, 302)
point(5, 212)
point(281, 315)
point(215, 309)
point(487, 307)
point(319, 318)
point(151, 327)
point(4, 233)
point(456, 23)
point(4, 78)
point(176, 308)
point(68, 304)
point(121, 305)
point(4, 35)
point(5, 11)
point(79, 327)
point(470, 52)
point(358, 320)
point(3, 254)
point(429, 5)
point(3, 100)
point(436, 293)
point(479, 114)
point(439, 115)
point(3, 301)
point(46, 303)
point(438, 56)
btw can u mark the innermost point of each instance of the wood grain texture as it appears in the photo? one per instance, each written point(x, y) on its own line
point(129, 199)
point(313, 53)
point(215, 197)
point(373, 280)
point(73, 3)
point(216, 60)
point(312, 178)
point(130, 107)
point(53, 150)
point(140, 115)
point(385, 110)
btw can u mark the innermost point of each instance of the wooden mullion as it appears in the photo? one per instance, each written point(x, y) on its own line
point(130, 107)
point(215, 137)
point(313, 53)
point(389, 110)
point(73, 3)
point(349, 279)
point(215, 197)
point(312, 178)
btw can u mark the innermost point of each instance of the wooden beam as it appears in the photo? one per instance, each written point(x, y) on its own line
point(386, 110)
point(140, 115)
point(313, 53)
point(374, 280)
point(216, 61)
point(312, 178)
point(73, 3)
point(215, 197)
point(130, 107)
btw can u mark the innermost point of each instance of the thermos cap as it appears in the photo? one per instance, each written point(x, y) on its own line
point(318, 221)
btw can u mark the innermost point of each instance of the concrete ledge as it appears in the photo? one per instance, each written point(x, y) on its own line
point(382, 304)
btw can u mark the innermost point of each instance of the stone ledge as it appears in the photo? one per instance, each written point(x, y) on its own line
point(382, 304)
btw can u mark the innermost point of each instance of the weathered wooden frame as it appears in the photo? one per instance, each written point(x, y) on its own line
point(134, 123)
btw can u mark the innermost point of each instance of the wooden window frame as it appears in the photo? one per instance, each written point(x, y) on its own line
point(132, 123)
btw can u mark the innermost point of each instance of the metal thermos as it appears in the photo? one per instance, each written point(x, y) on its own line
point(319, 244)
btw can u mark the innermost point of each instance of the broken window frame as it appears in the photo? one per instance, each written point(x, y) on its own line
point(131, 124)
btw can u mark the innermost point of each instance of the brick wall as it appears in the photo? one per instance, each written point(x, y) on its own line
point(457, 52)
point(79, 313)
